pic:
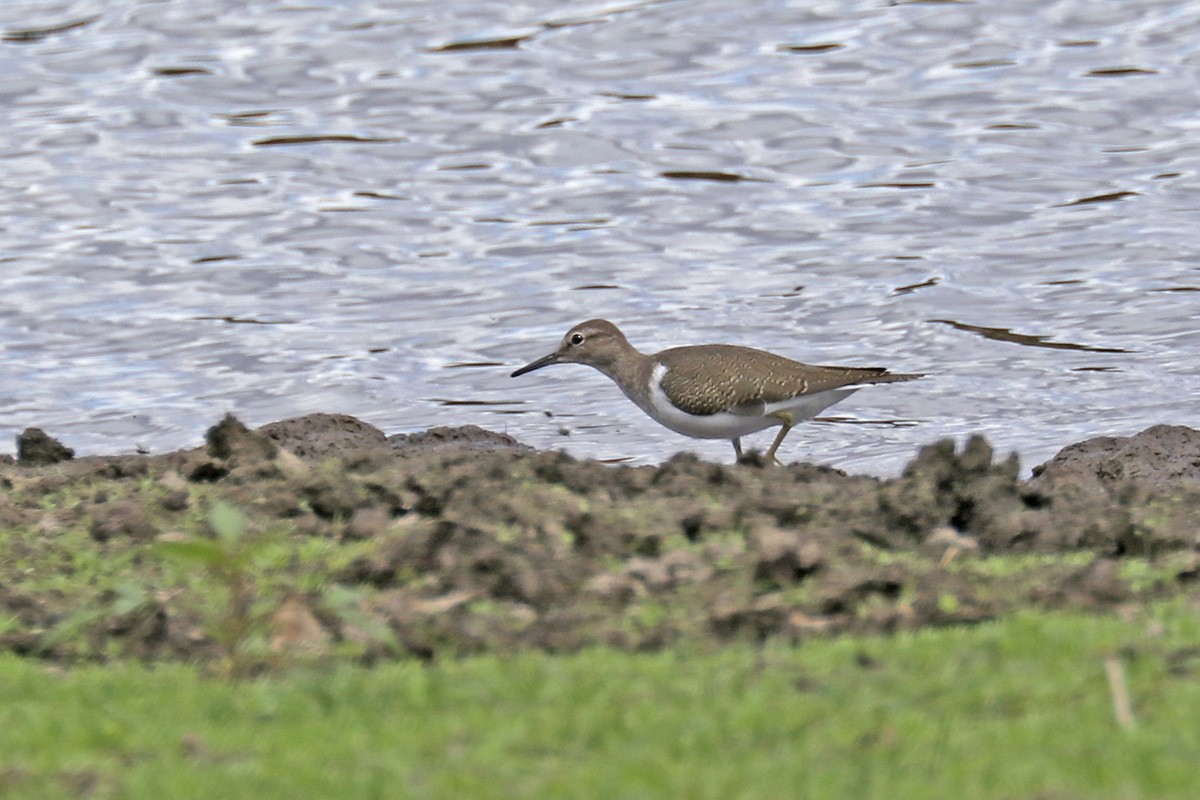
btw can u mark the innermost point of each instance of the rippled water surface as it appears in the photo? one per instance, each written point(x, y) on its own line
point(382, 208)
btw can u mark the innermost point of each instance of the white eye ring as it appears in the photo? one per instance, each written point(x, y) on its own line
point(577, 338)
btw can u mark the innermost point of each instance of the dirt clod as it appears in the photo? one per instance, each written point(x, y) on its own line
point(121, 519)
point(36, 448)
point(229, 439)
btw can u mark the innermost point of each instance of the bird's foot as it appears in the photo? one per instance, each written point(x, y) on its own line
point(754, 458)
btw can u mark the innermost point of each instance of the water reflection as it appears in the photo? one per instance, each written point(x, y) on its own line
point(376, 209)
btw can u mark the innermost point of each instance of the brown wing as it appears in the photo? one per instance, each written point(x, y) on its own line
point(708, 379)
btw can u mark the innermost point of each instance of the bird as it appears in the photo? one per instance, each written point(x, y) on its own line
point(713, 391)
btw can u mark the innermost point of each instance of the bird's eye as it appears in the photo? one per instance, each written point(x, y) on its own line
point(577, 338)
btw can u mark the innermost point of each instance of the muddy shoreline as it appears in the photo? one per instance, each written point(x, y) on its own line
point(462, 540)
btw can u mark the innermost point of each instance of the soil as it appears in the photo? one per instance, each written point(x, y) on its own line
point(462, 540)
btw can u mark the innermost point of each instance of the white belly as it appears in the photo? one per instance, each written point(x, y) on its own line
point(724, 425)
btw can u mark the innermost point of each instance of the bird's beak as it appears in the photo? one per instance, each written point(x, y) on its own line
point(544, 361)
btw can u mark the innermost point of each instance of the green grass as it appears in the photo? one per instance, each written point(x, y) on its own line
point(1019, 708)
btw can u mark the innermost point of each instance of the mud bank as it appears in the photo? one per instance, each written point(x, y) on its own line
point(461, 540)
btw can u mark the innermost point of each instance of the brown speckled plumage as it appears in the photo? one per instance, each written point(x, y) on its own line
point(707, 379)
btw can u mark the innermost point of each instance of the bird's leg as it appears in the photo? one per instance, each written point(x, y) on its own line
point(737, 447)
point(786, 418)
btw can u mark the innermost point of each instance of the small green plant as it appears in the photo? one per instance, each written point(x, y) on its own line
point(227, 559)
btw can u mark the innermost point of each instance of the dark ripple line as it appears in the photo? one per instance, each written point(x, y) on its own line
point(245, 320)
point(506, 43)
point(335, 138)
point(1111, 197)
point(1005, 335)
point(704, 175)
point(25, 35)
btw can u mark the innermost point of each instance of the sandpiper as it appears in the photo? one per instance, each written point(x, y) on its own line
point(713, 391)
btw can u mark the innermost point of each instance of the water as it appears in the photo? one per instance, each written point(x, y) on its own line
point(382, 208)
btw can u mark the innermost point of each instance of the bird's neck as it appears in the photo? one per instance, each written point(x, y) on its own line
point(633, 372)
